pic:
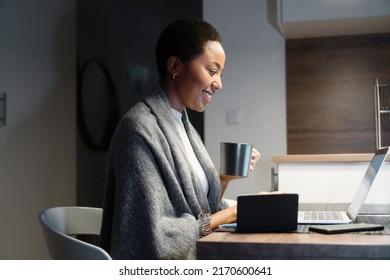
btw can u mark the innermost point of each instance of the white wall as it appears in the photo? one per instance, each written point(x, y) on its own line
point(318, 18)
point(333, 182)
point(302, 10)
point(37, 147)
point(254, 82)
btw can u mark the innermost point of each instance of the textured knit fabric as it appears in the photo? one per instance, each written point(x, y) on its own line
point(155, 207)
point(191, 157)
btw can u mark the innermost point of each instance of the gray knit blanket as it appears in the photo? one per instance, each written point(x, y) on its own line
point(155, 206)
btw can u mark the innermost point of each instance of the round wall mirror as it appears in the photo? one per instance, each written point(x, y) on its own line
point(97, 106)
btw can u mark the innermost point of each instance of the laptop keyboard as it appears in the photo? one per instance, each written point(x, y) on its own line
point(322, 216)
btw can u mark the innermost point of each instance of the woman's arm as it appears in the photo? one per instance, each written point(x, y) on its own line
point(226, 216)
point(225, 180)
point(229, 215)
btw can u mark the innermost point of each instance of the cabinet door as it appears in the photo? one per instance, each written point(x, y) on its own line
point(330, 92)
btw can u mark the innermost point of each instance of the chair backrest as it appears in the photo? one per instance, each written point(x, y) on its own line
point(59, 222)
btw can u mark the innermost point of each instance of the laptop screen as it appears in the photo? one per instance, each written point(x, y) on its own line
point(368, 179)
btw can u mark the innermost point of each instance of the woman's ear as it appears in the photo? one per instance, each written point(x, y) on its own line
point(173, 66)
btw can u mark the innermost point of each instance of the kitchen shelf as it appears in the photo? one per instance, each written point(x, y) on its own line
point(382, 112)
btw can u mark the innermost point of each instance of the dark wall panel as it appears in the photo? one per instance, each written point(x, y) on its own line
point(121, 35)
point(330, 92)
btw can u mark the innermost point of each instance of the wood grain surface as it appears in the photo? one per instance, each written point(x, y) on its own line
point(330, 92)
point(324, 158)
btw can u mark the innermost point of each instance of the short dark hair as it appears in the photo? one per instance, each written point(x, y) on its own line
point(185, 39)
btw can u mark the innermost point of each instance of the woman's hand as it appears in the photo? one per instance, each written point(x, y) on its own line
point(266, 193)
point(225, 216)
point(255, 157)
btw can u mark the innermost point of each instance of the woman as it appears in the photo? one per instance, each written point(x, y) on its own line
point(163, 192)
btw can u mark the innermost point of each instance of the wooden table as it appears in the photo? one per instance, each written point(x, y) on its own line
point(229, 245)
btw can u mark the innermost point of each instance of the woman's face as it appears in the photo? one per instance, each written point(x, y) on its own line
point(198, 79)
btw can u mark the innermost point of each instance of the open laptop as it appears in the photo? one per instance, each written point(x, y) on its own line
point(342, 217)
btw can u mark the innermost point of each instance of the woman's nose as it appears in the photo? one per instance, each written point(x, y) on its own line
point(217, 84)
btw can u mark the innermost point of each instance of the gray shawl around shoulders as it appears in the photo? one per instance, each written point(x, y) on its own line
point(155, 206)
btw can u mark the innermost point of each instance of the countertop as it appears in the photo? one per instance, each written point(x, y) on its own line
point(324, 158)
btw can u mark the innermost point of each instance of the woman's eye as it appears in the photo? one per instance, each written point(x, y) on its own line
point(212, 72)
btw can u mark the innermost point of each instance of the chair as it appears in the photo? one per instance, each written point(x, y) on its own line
point(59, 223)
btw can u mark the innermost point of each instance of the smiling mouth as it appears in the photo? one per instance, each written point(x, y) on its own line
point(207, 95)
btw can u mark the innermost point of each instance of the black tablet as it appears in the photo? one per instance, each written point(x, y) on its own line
point(267, 213)
point(329, 229)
